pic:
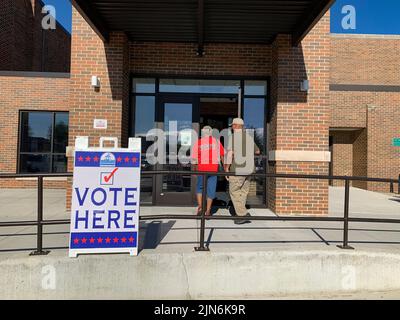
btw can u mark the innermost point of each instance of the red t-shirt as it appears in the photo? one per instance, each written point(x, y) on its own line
point(207, 152)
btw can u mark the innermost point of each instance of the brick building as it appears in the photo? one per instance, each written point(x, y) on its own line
point(25, 45)
point(180, 63)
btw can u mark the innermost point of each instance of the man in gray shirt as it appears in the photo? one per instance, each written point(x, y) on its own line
point(240, 160)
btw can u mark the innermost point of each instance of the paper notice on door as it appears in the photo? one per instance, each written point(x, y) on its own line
point(185, 138)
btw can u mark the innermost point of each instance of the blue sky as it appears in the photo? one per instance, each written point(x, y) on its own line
point(372, 16)
point(63, 12)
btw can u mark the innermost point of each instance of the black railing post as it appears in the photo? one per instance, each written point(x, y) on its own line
point(391, 188)
point(346, 216)
point(202, 247)
point(39, 247)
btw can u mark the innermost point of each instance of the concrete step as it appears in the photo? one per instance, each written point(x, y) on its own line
point(204, 275)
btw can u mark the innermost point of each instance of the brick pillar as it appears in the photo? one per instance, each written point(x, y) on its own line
point(110, 62)
point(299, 127)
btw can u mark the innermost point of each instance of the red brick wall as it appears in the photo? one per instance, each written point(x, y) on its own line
point(300, 120)
point(383, 126)
point(360, 157)
point(368, 60)
point(342, 155)
point(109, 61)
point(347, 110)
point(25, 46)
point(22, 93)
point(379, 114)
point(15, 34)
point(52, 48)
point(20, 50)
point(365, 59)
point(350, 155)
point(298, 196)
point(90, 56)
point(6, 35)
point(219, 59)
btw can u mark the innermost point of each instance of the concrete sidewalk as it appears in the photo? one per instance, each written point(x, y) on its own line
point(261, 260)
point(182, 235)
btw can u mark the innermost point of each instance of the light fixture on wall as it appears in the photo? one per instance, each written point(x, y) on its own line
point(95, 82)
point(305, 85)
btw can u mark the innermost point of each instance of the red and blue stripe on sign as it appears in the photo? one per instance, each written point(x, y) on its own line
point(93, 240)
point(92, 159)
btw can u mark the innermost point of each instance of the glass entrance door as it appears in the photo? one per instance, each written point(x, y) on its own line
point(179, 117)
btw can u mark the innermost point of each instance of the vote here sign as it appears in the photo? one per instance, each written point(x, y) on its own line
point(105, 202)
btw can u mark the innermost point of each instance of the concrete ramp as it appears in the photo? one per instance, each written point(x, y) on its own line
point(240, 275)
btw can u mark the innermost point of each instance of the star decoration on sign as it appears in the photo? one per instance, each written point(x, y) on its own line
point(92, 241)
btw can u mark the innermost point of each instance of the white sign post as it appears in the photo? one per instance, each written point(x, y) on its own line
point(105, 199)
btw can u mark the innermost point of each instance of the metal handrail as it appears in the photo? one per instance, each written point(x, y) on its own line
point(345, 219)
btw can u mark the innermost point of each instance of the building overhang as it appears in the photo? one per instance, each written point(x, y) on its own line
point(204, 21)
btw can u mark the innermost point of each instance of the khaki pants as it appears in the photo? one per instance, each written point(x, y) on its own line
point(238, 190)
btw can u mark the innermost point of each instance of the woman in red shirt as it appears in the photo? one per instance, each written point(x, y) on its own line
point(207, 153)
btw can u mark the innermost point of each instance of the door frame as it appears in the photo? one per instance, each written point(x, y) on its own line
point(158, 95)
point(174, 198)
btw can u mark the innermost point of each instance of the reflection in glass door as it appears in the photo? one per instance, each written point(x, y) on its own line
point(178, 116)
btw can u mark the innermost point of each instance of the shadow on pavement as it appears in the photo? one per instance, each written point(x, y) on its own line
point(152, 233)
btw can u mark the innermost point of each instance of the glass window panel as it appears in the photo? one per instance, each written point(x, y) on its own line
point(140, 85)
point(255, 88)
point(35, 163)
point(180, 113)
point(144, 115)
point(146, 190)
point(61, 132)
point(144, 120)
point(36, 131)
point(256, 192)
point(254, 114)
point(59, 163)
point(37, 134)
point(199, 86)
point(177, 119)
point(254, 111)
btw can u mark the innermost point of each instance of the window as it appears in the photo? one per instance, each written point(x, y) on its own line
point(199, 86)
point(144, 115)
point(255, 88)
point(254, 111)
point(143, 119)
point(149, 111)
point(43, 140)
point(254, 116)
point(254, 106)
point(144, 85)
